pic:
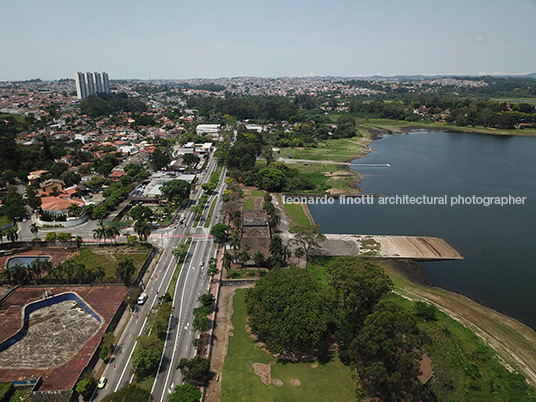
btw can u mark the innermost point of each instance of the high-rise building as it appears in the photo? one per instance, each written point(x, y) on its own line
point(91, 84)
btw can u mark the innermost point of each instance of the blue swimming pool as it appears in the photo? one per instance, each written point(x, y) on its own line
point(26, 260)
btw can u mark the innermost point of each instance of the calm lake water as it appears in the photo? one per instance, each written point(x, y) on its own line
point(498, 243)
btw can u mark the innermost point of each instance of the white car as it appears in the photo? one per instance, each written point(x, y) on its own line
point(202, 263)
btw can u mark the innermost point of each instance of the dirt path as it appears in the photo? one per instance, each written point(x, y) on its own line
point(514, 342)
point(221, 340)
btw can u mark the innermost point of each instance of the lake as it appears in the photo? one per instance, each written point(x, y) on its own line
point(498, 242)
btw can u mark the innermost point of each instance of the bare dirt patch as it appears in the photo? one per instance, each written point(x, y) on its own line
point(277, 382)
point(295, 382)
point(264, 371)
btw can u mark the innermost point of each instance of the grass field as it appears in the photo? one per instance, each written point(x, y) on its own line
point(92, 259)
point(295, 211)
point(258, 193)
point(338, 150)
point(249, 204)
point(330, 382)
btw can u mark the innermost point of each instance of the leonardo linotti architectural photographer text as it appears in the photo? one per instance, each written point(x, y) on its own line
point(456, 200)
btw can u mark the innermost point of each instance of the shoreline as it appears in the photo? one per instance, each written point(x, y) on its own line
point(513, 341)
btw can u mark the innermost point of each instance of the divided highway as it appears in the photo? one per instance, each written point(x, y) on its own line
point(193, 281)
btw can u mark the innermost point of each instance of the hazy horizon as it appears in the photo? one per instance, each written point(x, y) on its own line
point(346, 38)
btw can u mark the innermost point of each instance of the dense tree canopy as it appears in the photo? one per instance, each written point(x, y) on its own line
point(289, 312)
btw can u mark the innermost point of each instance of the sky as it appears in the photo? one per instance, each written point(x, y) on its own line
point(176, 39)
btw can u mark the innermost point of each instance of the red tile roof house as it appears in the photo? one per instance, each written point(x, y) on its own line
point(115, 176)
point(58, 206)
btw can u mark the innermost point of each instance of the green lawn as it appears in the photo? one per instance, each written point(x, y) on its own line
point(338, 150)
point(295, 211)
point(91, 259)
point(330, 382)
point(249, 204)
point(257, 193)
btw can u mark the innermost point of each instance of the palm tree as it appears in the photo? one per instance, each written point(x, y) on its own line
point(36, 268)
point(100, 272)
point(75, 210)
point(276, 246)
point(125, 269)
point(244, 257)
point(99, 233)
point(274, 221)
point(299, 253)
point(112, 231)
point(19, 273)
point(227, 260)
point(143, 229)
point(12, 235)
point(259, 259)
point(34, 229)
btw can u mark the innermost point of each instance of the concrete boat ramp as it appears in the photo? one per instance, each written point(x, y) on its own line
point(395, 247)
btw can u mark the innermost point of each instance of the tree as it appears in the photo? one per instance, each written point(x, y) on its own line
point(130, 393)
point(34, 229)
point(34, 202)
point(176, 190)
point(274, 221)
point(276, 246)
point(85, 387)
point(104, 352)
point(359, 285)
point(160, 159)
point(308, 237)
point(209, 187)
point(185, 393)
point(75, 210)
point(290, 312)
point(100, 272)
point(143, 229)
point(98, 233)
point(206, 299)
point(190, 159)
point(13, 205)
point(227, 260)
point(244, 257)
point(12, 235)
point(146, 356)
point(426, 311)
point(125, 269)
point(259, 259)
point(141, 212)
point(386, 352)
point(219, 231)
point(195, 371)
point(212, 267)
point(181, 252)
point(299, 253)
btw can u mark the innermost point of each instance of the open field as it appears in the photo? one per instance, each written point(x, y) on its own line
point(109, 257)
point(330, 382)
point(296, 213)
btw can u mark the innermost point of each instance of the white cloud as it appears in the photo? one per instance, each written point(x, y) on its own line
point(479, 39)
